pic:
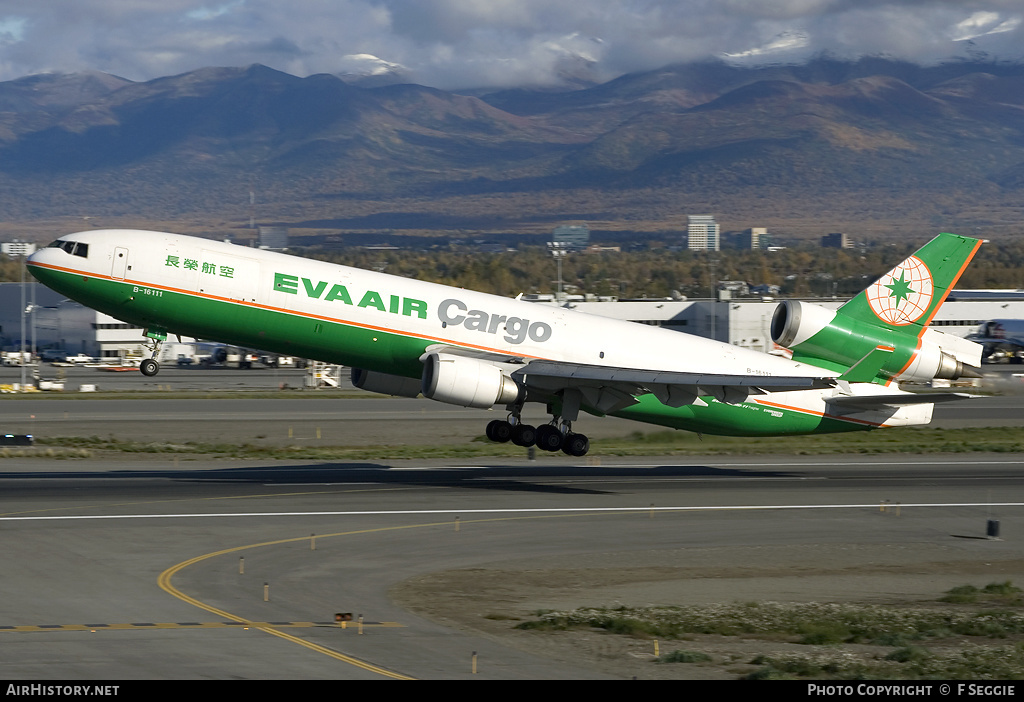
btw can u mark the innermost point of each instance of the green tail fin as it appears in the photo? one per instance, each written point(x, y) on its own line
point(906, 298)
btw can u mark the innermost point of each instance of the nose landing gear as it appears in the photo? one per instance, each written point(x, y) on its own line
point(154, 340)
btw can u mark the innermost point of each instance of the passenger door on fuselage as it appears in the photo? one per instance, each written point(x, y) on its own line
point(119, 265)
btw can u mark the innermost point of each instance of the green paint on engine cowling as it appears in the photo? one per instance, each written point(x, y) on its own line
point(846, 341)
point(857, 330)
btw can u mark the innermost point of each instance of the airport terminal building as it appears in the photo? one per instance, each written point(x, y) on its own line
point(54, 322)
point(58, 323)
point(747, 321)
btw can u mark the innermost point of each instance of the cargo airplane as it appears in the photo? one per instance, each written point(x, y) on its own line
point(405, 337)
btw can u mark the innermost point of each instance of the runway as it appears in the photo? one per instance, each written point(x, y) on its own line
point(143, 570)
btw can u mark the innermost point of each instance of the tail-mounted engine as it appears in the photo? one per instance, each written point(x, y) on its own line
point(794, 322)
point(814, 333)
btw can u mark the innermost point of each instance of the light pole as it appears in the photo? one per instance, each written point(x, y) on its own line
point(559, 249)
point(21, 342)
point(714, 298)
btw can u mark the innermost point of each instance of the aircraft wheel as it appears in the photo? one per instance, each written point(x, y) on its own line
point(499, 430)
point(549, 438)
point(576, 445)
point(149, 367)
point(524, 435)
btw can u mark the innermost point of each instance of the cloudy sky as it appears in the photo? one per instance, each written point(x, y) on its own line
point(466, 43)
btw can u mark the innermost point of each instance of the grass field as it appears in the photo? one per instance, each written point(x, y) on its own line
point(915, 440)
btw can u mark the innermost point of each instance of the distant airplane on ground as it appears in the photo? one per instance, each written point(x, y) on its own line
point(404, 337)
point(1004, 336)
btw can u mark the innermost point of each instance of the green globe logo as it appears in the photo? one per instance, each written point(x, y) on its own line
point(902, 295)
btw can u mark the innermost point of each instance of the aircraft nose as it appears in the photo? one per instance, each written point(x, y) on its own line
point(36, 257)
point(38, 261)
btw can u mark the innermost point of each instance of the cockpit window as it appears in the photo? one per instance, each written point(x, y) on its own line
point(76, 248)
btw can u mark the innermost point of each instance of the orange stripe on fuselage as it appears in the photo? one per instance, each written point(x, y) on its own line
point(816, 413)
point(307, 315)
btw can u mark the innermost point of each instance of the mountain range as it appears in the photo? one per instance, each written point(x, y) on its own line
point(873, 147)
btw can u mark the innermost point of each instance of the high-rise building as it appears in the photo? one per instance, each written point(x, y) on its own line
point(273, 237)
point(753, 238)
point(574, 237)
point(702, 233)
point(17, 248)
point(837, 240)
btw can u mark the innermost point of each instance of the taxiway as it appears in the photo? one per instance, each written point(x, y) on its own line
point(221, 570)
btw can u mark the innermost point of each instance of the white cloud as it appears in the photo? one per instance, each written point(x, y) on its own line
point(466, 43)
point(208, 13)
point(983, 23)
point(12, 28)
point(367, 65)
point(786, 42)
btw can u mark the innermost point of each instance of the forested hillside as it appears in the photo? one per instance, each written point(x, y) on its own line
point(878, 149)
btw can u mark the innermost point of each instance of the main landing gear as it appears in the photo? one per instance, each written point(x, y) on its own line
point(550, 437)
point(558, 435)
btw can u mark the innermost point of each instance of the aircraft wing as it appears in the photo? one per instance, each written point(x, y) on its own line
point(608, 388)
point(1007, 340)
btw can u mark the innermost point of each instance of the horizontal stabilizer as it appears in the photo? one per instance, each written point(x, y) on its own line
point(880, 401)
point(866, 369)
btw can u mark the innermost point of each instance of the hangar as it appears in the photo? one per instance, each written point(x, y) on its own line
point(61, 323)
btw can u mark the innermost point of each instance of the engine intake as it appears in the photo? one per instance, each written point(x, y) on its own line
point(795, 322)
point(385, 383)
point(467, 382)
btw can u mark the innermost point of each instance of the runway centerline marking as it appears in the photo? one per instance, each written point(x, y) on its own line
point(529, 510)
point(225, 497)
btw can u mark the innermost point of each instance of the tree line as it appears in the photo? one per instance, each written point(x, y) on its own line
point(798, 271)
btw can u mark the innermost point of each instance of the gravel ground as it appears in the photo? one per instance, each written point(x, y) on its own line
point(493, 599)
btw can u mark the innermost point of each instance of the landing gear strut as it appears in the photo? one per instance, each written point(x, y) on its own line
point(154, 340)
point(556, 436)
